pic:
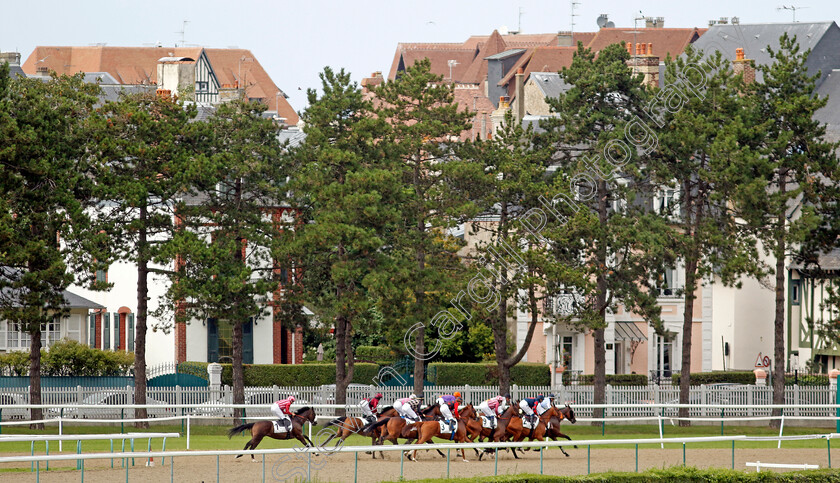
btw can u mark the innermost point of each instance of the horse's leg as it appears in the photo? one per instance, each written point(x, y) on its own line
point(245, 448)
point(254, 442)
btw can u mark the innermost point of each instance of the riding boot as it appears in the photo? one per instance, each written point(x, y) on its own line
point(286, 425)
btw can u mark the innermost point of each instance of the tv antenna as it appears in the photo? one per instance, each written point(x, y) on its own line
point(182, 32)
point(519, 30)
point(792, 8)
point(452, 63)
point(574, 4)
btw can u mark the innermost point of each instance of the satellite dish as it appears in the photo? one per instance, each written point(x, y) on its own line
point(610, 25)
point(602, 20)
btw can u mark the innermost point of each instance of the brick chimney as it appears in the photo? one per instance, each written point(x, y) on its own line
point(645, 63)
point(565, 39)
point(375, 79)
point(11, 57)
point(176, 74)
point(230, 92)
point(742, 66)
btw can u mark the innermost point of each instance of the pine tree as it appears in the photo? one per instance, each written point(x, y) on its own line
point(346, 189)
point(617, 245)
point(227, 233)
point(705, 147)
point(425, 131)
point(797, 162)
point(47, 238)
point(146, 150)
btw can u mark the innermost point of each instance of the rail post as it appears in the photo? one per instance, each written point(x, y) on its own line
point(683, 453)
point(721, 420)
point(781, 429)
point(496, 467)
point(188, 431)
point(588, 458)
point(541, 461)
point(637, 458)
point(356, 465)
point(828, 442)
point(60, 428)
point(447, 462)
point(122, 422)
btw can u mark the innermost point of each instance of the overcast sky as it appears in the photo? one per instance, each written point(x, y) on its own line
point(295, 40)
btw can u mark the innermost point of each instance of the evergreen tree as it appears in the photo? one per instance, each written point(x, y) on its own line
point(608, 237)
point(47, 238)
point(346, 188)
point(147, 156)
point(705, 147)
point(425, 128)
point(227, 233)
point(797, 163)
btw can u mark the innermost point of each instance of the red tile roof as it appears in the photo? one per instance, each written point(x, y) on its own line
point(138, 65)
point(665, 41)
point(478, 70)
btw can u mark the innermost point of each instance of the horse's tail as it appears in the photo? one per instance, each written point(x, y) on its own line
point(336, 421)
point(239, 429)
point(372, 426)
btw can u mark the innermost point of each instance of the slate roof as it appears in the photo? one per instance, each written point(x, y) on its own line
point(825, 261)
point(541, 59)
point(71, 300)
point(294, 135)
point(550, 83)
point(830, 114)
point(822, 37)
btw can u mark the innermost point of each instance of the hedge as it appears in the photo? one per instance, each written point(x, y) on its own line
point(677, 473)
point(292, 374)
point(70, 358)
point(615, 379)
point(807, 380)
point(483, 374)
point(698, 378)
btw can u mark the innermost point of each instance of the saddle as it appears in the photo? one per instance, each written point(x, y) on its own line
point(527, 424)
point(445, 428)
point(280, 428)
point(487, 423)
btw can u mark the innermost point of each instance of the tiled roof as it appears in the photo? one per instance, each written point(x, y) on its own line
point(665, 41)
point(440, 61)
point(138, 65)
point(478, 70)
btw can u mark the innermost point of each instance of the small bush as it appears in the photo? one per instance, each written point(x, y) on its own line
point(807, 380)
point(698, 378)
point(70, 358)
point(615, 379)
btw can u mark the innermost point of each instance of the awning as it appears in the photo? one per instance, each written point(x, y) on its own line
point(628, 331)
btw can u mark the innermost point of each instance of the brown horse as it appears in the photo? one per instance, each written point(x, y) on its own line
point(553, 431)
point(426, 430)
point(347, 426)
point(504, 421)
point(261, 429)
point(397, 427)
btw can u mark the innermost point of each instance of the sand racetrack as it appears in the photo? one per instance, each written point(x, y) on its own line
point(340, 467)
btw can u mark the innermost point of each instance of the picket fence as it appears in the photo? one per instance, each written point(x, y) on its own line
point(204, 399)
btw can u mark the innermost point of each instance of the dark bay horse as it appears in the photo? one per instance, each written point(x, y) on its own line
point(553, 431)
point(508, 424)
point(347, 426)
point(261, 429)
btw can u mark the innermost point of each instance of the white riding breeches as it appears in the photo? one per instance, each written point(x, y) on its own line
point(278, 412)
point(444, 410)
point(485, 409)
point(365, 408)
point(523, 404)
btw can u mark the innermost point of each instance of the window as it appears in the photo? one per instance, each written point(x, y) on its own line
point(664, 356)
point(16, 338)
point(202, 86)
point(50, 333)
point(795, 292)
point(565, 344)
point(101, 276)
point(665, 204)
point(666, 282)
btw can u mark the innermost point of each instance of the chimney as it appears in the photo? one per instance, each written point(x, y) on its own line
point(742, 66)
point(565, 39)
point(654, 22)
point(645, 63)
point(229, 92)
point(371, 82)
point(13, 58)
point(164, 93)
point(629, 46)
point(176, 74)
point(520, 94)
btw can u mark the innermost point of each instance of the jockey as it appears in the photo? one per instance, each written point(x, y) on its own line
point(368, 406)
point(491, 407)
point(281, 410)
point(405, 407)
point(449, 404)
point(529, 404)
point(545, 404)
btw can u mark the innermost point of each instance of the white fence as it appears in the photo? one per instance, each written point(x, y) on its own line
point(636, 400)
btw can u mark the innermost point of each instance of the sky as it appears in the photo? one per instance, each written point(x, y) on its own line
point(295, 40)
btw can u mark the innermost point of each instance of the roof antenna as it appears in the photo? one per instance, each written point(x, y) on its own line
point(574, 5)
point(182, 32)
point(792, 8)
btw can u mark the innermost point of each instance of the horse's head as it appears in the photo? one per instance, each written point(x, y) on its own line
point(432, 410)
point(306, 413)
point(568, 413)
point(467, 412)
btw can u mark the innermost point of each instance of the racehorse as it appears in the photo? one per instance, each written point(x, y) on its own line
point(347, 426)
point(397, 427)
point(504, 421)
point(553, 431)
point(426, 430)
point(261, 429)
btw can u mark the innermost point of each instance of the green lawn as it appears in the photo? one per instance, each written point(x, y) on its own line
point(215, 437)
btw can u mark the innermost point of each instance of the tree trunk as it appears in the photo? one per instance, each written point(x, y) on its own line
point(344, 364)
point(500, 329)
point(599, 396)
point(688, 321)
point(238, 371)
point(778, 372)
point(140, 329)
point(420, 335)
point(35, 375)
point(600, 389)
